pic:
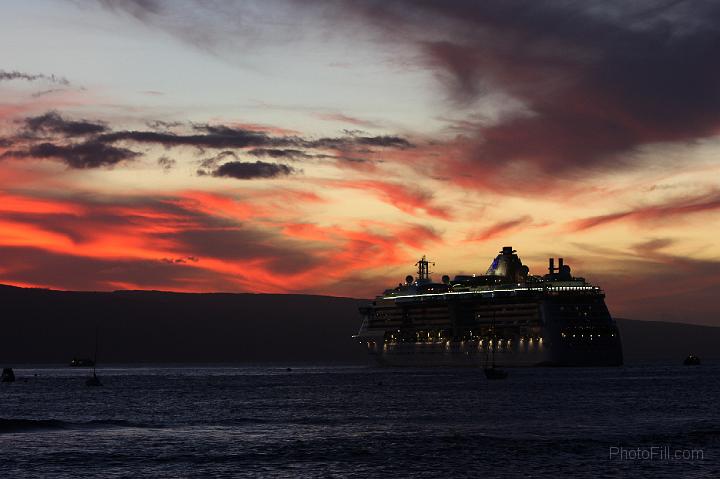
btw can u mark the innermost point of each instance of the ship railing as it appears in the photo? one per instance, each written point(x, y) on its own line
point(541, 289)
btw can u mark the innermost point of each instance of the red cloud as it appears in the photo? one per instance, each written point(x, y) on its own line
point(21, 204)
point(500, 229)
point(673, 208)
point(410, 200)
point(113, 242)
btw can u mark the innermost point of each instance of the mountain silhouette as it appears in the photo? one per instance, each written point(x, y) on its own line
point(49, 326)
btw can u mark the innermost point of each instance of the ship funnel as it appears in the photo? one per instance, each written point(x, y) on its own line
point(561, 272)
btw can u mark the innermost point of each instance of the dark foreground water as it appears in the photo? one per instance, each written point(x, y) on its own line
point(362, 422)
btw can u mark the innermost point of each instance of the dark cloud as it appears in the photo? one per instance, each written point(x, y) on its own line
point(90, 154)
point(222, 136)
point(597, 80)
point(390, 141)
point(297, 155)
point(52, 122)
point(16, 75)
point(52, 136)
point(185, 260)
point(163, 125)
point(213, 137)
point(280, 153)
point(166, 163)
point(247, 171)
point(212, 162)
point(343, 143)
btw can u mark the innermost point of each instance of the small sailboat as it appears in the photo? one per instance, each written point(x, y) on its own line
point(8, 375)
point(692, 360)
point(493, 372)
point(94, 380)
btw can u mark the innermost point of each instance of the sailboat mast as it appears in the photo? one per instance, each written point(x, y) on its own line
point(96, 349)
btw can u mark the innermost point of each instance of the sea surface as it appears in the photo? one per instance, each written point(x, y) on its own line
point(317, 421)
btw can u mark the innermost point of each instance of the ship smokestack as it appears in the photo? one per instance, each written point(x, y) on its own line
point(560, 264)
point(551, 265)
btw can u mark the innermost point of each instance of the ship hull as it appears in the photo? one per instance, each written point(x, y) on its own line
point(536, 354)
point(422, 356)
point(522, 330)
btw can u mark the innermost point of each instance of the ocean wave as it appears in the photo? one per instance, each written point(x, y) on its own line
point(12, 425)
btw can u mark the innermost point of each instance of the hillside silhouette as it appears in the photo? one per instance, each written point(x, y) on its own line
point(48, 326)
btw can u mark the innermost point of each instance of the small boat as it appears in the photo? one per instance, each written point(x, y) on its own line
point(692, 360)
point(82, 363)
point(8, 375)
point(94, 380)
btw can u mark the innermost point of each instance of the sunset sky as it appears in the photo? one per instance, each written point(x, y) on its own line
point(323, 147)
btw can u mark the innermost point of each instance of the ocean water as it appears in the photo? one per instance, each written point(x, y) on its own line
point(266, 421)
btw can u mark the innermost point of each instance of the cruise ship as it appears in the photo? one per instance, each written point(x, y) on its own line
point(555, 319)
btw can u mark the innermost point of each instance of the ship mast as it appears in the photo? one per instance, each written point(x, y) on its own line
point(424, 268)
